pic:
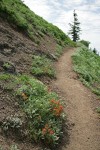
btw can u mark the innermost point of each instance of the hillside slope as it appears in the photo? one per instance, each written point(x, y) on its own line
point(23, 33)
point(87, 65)
point(32, 115)
point(29, 46)
point(31, 24)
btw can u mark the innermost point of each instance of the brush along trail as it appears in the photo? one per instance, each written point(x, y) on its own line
point(79, 107)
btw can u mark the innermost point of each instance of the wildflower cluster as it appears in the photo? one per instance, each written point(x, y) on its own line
point(57, 108)
point(47, 130)
point(41, 107)
point(51, 133)
point(44, 111)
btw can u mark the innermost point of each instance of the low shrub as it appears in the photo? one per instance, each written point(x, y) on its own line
point(87, 65)
point(18, 14)
point(59, 51)
point(5, 76)
point(98, 109)
point(12, 122)
point(86, 43)
point(1, 147)
point(42, 66)
point(43, 109)
point(13, 147)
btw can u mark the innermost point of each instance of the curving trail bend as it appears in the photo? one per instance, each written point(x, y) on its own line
point(85, 133)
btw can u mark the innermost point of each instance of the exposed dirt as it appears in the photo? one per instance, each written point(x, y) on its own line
point(16, 48)
point(80, 103)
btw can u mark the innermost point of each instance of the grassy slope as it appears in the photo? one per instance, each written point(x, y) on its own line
point(43, 110)
point(87, 65)
point(31, 24)
point(37, 102)
point(36, 28)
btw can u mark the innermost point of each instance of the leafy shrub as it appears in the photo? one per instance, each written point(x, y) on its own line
point(6, 65)
point(87, 65)
point(98, 109)
point(44, 111)
point(14, 147)
point(59, 51)
point(5, 76)
point(1, 147)
point(42, 66)
point(21, 16)
point(46, 120)
point(95, 51)
point(11, 122)
point(86, 43)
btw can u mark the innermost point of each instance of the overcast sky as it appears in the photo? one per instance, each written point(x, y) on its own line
point(60, 13)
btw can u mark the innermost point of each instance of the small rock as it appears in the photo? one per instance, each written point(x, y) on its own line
point(73, 124)
point(53, 57)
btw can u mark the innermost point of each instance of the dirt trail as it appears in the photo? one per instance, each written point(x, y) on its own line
point(85, 133)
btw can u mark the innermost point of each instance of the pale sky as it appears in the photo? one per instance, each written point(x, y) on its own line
point(60, 13)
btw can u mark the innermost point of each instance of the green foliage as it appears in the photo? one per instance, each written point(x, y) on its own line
point(87, 65)
point(7, 81)
point(14, 147)
point(98, 109)
point(86, 43)
point(6, 65)
point(42, 66)
point(1, 147)
point(11, 122)
point(5, 76)
point(95, 51)
point(18, 14)
point(59, 51)
point(75, 28)
point(44, 111)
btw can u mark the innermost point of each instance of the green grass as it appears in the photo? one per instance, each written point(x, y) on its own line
point(42, 66)
point(18, 14)
point(1, 147)
point(13, 147)
point(4, 77)
point(42, 107)
point(87, 65)
point(98, 110)
point(59, 51)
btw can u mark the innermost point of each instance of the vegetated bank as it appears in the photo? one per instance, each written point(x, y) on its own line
point(87, 65)
point(38, 111)
point(31, 24)
point(23, 34)
point(29, 111)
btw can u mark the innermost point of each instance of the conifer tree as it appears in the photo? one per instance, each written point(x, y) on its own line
point(95, 51)
point(75, 28)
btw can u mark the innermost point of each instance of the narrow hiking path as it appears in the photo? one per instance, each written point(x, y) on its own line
point(85, 133)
